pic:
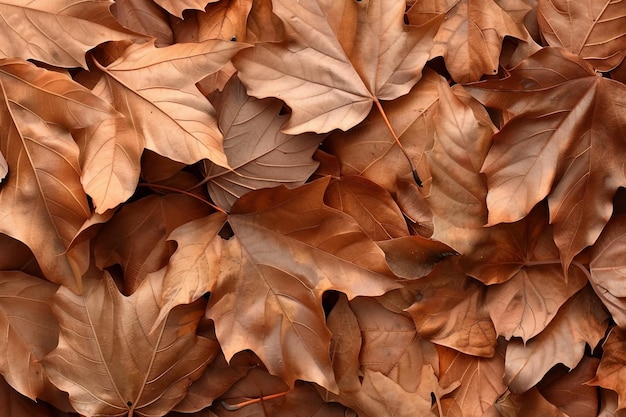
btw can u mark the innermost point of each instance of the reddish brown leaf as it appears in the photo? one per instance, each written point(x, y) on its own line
point(259, 154)
point(449, 310)
point(379, 57)
point(176, 7)
point(530, 403)
point(580, 321)
point(414, 256)
point(564, 142)
point(14, 404)
point(108, 361)
point(470, 39)
point(611, 373)
point(607, 268)
point(598, 35)
point(345, 345)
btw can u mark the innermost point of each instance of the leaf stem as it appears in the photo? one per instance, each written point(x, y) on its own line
point(166, 187)
point(416, 177)
point(238, 406)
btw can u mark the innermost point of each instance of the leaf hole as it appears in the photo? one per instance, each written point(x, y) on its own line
point(129, 403)
point(233, 38)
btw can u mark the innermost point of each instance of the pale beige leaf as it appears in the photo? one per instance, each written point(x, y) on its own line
point(260, 155)
point(111, 154)
point(58, 32)
point(195, 266)
point(109, 362)
point(28, 330)
point(175, 119)
point(330, 76)
point(176, 7)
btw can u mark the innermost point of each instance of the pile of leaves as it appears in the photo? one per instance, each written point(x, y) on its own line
point(313, 208)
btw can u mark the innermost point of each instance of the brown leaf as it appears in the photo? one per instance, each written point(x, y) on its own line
point(580, 321)
point(225, 20)
point(449, 310)
point(371, 53)
point(144, 16)
point(29, 331)
point(414, 256)
point(345, 345)
point(611, 373)
point(42, 202)
point(136, 236)
point(157, 84)
point(176, 7)
point(470, 38)
point(564, 142)
point(108, 361)
point(194, 268)
point(59, 32)
point(530, 403)
point(259, 154)
point(607, 268)
point(598, 35)
point(14, 404)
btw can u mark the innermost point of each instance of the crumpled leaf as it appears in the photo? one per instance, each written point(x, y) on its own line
point(42, 202)
point(331, 75)
point(470, 38)
point(29, 331)
point(58, 32)
point(580, 321)
point(607, 268)
point(109, 362)
point(259, 154)
point(598, 35)
point(288, 249)
point(565, 142)
point(171, 114)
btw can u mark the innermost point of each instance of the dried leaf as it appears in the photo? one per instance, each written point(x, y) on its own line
point(109, 362)
point(176, 7)
point(379, 57)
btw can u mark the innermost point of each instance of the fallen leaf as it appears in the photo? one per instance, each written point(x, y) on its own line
point(378, 58)
point(145, 17)
point(611, 372)
point(176, 7)
point(109, 362)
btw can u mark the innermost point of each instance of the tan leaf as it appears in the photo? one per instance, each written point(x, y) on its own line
point(580, 321)
point(225, 20)
point(29, 331)
point(333, 70)
point(58, 32)
point(470, 38)
point(414, 256)
point(194, 268)
point(259, 154)
point(176, 7)
point(174, 118)
point(42, 202)
point(144, 16)
point(345, 345)
point(108, 361)
point(598, 35)
point(530, 403)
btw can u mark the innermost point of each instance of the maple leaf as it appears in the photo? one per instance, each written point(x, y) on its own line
point(259, 154)
point(60, 32)
point(342, 57)
point(580, 321)
point(564, 142)
point(598, 36)
point(470, 38)
point(156, 87)
point(109, 362)
point(288, 249)
point(42, 202)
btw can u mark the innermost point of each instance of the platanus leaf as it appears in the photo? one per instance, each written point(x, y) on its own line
point(564, 143)
point(598, 35)
point(259, 154)
point(109, 362)
point(29, 331)
point(470, 38)
point(58, 32)
point(580, 321)
point(42, 202)
point(342, 57)
point(171, 114)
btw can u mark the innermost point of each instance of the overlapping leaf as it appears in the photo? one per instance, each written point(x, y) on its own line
point(110, 363)
point(342, 56)
point(598, 35)
point(176, 7)
point(565, 142)
point(58, 32)
point(259, 154)
point(42, 202)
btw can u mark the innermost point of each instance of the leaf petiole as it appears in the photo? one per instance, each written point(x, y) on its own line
point(239, 406)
